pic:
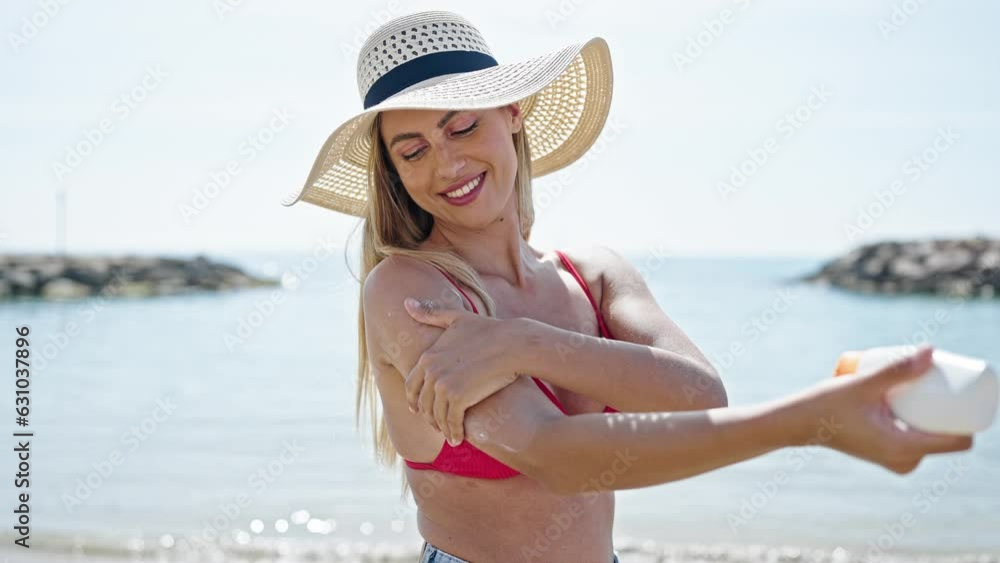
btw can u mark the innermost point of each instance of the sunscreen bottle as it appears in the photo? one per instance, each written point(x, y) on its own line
point(957, 395)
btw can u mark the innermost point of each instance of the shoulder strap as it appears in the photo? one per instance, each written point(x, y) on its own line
point(538, 382)
point(459, 288)
point(576, 275)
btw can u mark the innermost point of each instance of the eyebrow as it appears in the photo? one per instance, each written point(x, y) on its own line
point(404, 136)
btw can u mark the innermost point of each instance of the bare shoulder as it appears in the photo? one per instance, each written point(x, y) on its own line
point(398, 277)
point(602, 268)
point(388, 274)
point(387, 323)
point(395, 343)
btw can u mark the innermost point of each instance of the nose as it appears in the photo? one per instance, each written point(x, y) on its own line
point(450, 163)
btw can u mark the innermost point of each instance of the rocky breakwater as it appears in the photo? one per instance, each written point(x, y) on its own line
point(75, 277)
point(962, 268)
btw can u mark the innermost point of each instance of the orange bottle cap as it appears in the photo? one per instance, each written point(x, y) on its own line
point(847, 363)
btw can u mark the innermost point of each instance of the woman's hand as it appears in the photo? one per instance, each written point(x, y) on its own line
point(850, 414)
point(471, 360)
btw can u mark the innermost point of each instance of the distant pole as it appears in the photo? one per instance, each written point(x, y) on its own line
point(60, 221)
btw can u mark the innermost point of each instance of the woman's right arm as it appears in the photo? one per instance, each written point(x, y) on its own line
point(621, 451)
point(572, 454)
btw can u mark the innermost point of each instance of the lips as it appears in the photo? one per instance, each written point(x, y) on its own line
point(476, 184)
point(459, 184)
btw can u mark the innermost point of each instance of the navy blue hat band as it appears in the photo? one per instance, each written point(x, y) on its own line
point(424, 67)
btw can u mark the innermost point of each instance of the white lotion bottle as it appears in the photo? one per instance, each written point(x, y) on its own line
point(957, 395)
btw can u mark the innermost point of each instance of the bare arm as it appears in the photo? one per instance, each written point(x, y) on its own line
point(584, 453)
point(650, 366)
point(519, 426)
point(590, 452)
point(628, 376)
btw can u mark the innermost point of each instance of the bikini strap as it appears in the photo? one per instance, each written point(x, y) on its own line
point(579, 279)
point(537, 381)
point(459, 288)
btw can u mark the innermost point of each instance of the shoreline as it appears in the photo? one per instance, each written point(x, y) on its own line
point(295, 550)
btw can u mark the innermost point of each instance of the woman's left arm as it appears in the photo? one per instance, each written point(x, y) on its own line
point(650, 366)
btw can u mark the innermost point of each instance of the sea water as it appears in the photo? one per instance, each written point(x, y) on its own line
point(163, 423)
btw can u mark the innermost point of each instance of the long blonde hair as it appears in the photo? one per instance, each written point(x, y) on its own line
point(394, 224)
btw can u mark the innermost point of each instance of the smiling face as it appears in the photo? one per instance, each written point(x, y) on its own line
point(458, 166)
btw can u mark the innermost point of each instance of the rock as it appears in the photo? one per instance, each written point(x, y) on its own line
point(137, 289)
point(160, 273)
point(874, 268)
point(889, 287)
point(955, 288)
point(67, 277)
point(907, 269)
point(175, 286)
point(989, 259)
point(93, 275)
point(950, 261)
point(964, 268)
point(866, 286)
point(22, 282)
point(63, 288)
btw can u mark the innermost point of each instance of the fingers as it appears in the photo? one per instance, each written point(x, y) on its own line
point(903, 369)
point(455, 420)
point(422, 311)
point(425, 404)
point(934, 443)
point(414, 383)
point(430, 312)
point(930, 444)
point(444, 416)
point(440, 413)
point(903, 467)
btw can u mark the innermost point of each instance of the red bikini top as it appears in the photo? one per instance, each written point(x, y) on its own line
point(468, 460)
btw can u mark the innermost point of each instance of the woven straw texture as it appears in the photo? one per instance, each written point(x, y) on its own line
point(565, 96)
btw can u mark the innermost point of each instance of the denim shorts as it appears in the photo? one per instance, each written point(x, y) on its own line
point(432, 554)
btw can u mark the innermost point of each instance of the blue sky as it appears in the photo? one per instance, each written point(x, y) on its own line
point(923, 86)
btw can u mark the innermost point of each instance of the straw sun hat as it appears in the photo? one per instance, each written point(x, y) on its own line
point(438, 60)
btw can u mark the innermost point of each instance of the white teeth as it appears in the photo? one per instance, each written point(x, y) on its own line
point(465, 189)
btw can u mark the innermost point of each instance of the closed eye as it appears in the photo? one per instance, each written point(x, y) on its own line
point(468, 129)
point(461, 133)
point(413, 154)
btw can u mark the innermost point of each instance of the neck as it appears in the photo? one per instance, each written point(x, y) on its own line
point(496, 251)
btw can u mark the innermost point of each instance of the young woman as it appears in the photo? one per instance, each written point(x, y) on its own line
point(523, 387)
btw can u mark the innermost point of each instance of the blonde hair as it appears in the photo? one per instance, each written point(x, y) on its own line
point(394, 224)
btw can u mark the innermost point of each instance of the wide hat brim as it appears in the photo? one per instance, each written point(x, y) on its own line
point(564, 95)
